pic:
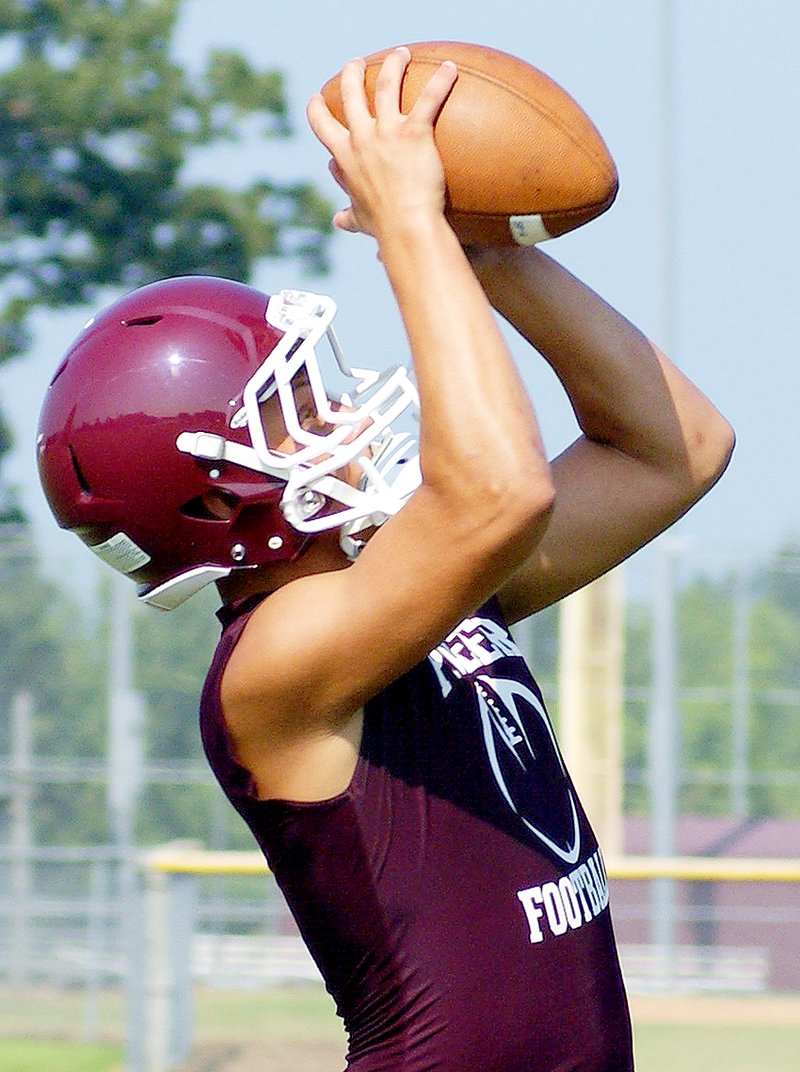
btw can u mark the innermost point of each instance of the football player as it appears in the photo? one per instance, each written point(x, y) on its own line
point(367, 711)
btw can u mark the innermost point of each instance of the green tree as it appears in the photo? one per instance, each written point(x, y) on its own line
point(173, 652)
point(50, 650)
point(706, 608)
point(97, 121)
point(11, 512)
point(97, 124)
point(637, 675)
point(779, 584)
point(775, 681)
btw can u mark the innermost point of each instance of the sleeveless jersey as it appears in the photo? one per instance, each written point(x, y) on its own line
point(454, 896)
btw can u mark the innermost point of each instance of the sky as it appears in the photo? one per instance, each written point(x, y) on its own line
point(698, 101)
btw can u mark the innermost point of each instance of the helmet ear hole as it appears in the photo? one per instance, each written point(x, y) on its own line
point(213, 505)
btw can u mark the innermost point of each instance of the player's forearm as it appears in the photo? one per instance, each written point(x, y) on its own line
point(624, 392)
point(460, 357)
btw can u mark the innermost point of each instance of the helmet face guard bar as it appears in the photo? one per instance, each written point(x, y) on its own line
point(357, 428)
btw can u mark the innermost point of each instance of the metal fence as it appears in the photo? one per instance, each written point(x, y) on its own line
point(190, 919)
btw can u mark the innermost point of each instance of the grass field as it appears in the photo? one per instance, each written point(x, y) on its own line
point(706, 1033)
point(714, 1048)
point(693, 1033)
point(32, 1055)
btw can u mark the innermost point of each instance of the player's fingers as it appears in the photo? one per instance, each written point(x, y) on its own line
point(324, 125)
point(345, 220)
point(389, 81)
point(435, 92)
point(354, 97)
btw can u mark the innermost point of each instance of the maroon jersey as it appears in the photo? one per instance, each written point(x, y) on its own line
point(453, 896)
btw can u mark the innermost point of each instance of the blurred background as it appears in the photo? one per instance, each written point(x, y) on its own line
point(145, 138)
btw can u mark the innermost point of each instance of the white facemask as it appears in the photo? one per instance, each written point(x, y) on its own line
point(360, 432)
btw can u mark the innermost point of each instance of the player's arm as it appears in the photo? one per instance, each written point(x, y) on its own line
point(324, 643)
point(652, 444)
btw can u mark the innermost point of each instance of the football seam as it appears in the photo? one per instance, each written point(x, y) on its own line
point(578, 211)
point(545, 112)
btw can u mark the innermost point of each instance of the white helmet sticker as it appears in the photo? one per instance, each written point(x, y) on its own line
point(121, 553)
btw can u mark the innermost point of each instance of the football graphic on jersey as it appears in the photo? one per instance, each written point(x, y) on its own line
point(527, 765)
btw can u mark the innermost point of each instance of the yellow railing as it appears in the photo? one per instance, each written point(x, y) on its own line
point(188, 860)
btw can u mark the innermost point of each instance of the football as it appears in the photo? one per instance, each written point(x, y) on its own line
point(523, 161)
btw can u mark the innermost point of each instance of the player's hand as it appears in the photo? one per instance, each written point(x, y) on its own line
point(388, 164)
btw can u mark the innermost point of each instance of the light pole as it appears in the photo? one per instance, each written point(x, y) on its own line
point(125, 778)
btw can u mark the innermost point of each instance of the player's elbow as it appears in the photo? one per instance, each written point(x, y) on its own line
point(710, 449)
point(538, 500)
point(520, 505)
point(703, 457)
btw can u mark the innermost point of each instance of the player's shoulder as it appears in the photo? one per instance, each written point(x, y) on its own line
point(282, 667)
point(265, 630)
point(283, 726)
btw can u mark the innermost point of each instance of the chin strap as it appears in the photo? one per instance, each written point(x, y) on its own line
point(177, 590)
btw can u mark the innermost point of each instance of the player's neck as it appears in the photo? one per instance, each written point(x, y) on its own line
point(322, 555)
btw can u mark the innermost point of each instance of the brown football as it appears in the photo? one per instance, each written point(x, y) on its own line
point(523, 161)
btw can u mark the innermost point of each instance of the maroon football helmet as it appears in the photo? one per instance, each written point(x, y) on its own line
point(158, 402)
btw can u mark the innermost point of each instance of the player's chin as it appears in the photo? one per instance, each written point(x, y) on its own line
point(366, 534)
